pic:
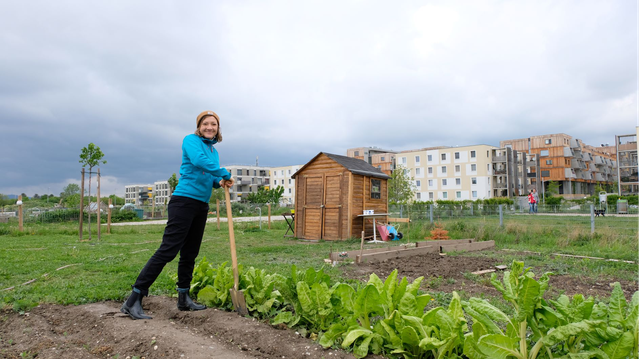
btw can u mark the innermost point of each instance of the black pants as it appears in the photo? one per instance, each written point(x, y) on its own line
point(183, 234)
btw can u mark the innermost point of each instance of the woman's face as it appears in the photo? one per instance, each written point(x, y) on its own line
point(208, 127)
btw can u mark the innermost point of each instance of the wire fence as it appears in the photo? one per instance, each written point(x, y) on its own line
point(579, 219)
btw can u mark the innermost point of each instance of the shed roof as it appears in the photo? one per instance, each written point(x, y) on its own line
point(354, 165)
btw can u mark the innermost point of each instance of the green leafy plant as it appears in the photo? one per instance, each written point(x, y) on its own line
point(217, 293)
point(262, 300)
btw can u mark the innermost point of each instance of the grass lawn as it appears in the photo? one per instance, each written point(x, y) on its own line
point(60, 269)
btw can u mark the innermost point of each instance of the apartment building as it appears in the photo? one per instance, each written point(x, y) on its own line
point(510, 170)
point(281, 176)
point(560, 158)
point(375, 156)
point(626, 150)
point(139, 194)
point(247, 180)
point(161, 193)
point(449, 173)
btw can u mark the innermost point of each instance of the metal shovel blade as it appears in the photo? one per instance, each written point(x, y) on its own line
point(237, 297)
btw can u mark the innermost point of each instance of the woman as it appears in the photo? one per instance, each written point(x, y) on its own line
point(200, 172)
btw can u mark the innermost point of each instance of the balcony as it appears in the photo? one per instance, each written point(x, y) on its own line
point(568, 152)
point(599, 177)
point(574, 143)
point(499, 159)
point(599, 160)
point(569, 173)
point(500, 185)
point(499, 171)
point(574, 163)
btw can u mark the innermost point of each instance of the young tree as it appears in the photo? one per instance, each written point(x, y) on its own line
point(173, 182)
point(400, 187)
point(91, 156)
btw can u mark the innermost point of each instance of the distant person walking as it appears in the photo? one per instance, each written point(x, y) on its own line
point(531, 201)
point(188, 208)
point(535, 200)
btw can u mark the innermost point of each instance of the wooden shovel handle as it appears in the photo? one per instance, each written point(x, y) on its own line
point(236, 274)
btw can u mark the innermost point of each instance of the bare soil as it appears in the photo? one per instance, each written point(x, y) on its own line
point(99, 330)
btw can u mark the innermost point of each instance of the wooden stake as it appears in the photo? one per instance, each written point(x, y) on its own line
point(81, 203)
point(99, 222)
point(361, 249)
point(20, 217)
point(269, 216)
point(109, 218)
point(217, 210)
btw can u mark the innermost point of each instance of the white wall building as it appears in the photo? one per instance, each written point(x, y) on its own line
point(449, 173)
point(281, 176)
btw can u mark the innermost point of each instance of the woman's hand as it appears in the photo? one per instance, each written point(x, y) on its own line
point(227, 183)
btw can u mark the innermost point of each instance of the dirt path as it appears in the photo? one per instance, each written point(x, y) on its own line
point(99, 330)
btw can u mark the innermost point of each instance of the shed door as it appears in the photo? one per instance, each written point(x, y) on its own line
point(313, 207)
point(332, 207)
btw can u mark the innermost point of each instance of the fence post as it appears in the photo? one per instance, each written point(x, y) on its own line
point(401, 210)
point(217, 210)
point(501, 215)
point(592, 218)
point(99, 221)
point(472, 205)
point(431, 214)
point(269, 216)
point(20, 216)
point(109, 217)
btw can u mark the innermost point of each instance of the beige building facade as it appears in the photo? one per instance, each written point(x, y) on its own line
point(449, 173)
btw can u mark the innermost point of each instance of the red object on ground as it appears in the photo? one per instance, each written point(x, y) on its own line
point(383, 232)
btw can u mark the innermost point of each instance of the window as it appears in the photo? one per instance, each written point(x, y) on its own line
point(239, 172)
point(548, 141)
point(457, 168)
point(443, 157)
point(431, 196)
point(474, 194)
point(356, 153)
point(458, 181)
point(254, 172)
point(430, 183)
point(376, 189)
point(456, 155)
point(419, 195)
point(275, 183)
point(430, 158)
point(418, 183)
point(473, 154)
point(403, 160)
point(430, 170)
point(417, 159)
point(543, 153)
point(418, 171)
point(473, 180)
point(444, 182)
point(445, 195)
point(473, 167)
point(289, 191)
point(548, 162)
point(443, 169)
point(289, 172)
point(289, 181)
point(383, 159)
point(458, 194)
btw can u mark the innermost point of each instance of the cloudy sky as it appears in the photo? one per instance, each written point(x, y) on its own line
point(290, 79)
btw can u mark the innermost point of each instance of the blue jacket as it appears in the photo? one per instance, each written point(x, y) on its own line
point(200, 171)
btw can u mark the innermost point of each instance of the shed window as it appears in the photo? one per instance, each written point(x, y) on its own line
point(376, 189)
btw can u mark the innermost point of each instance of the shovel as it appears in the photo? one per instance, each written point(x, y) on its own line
point(236, 294)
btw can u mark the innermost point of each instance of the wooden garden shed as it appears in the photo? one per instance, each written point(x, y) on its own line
point(331, 191)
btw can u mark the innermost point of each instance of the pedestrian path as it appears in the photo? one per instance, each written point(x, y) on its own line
point(210, 220)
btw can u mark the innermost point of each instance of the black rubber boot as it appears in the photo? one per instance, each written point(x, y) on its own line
point(133, 307)
point(185, 302)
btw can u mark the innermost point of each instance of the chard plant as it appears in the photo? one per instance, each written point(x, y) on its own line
point(215, 291)
point(262, 300)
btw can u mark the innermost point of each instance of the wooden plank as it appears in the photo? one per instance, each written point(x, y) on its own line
point(398, 253)
point(480, 272)
point(468, 247)
point(349, 206)
point(444, 242)
point(399, 220)
point(501, 267)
